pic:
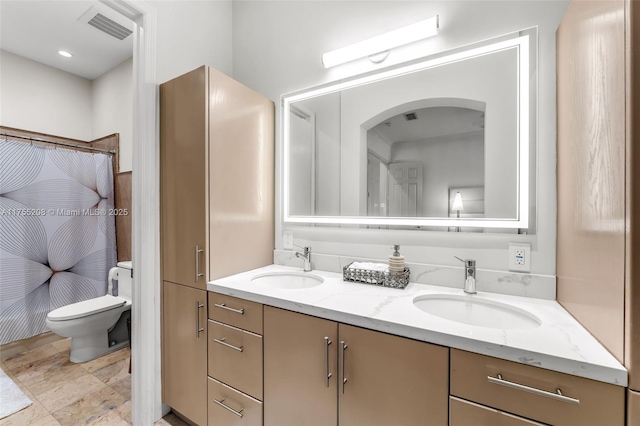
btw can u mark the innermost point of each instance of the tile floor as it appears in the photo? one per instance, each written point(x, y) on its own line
point(97, 392)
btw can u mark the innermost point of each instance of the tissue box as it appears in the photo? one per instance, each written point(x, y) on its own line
point(381, 278)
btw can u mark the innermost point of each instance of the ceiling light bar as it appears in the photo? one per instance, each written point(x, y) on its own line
point(383, 42)
point(64, 53)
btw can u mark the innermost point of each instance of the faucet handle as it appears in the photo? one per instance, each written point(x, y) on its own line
point(467, 262)
point(306, 249)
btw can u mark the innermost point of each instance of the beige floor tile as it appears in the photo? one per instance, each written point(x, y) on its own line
point(106, 360)
point(111, 419)
point(113, 373)
point(123, 387)
point(172, 420)
point(25, 360)
point(124, 411)
point(90, 408)
point(63, 345)
point(29, 416)
point(48, 420)
point(70, 392)
point(47, 374)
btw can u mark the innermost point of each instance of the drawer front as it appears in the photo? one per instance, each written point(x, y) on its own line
point(236, 312)
point(475, 377)
point(228, 407)
point(465, 413)
point(235, 358)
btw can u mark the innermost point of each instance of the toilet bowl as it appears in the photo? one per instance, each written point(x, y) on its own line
point(97, 326)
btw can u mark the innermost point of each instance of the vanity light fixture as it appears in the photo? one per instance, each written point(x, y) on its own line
point(64, 53)
point(377, 47)
point(457, 206)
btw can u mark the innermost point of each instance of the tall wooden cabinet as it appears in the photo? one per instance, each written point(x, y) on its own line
point(379, 379)
point(217, 213)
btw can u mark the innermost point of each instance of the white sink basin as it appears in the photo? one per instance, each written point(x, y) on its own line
point(288, 280)
point(475, 311)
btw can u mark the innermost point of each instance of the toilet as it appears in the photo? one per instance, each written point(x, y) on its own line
point(97, 326)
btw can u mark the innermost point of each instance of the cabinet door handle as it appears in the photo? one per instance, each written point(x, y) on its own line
point(198, 273)
point(343, 347)
point(198, 328)
point(557, 395)
point(221, 403)
point(223, 343)
point(224, 306)
point(327, 342)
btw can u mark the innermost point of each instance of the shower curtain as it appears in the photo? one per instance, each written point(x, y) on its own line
point(57, 232)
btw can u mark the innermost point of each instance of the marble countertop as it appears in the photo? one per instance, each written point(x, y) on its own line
point(560, 343)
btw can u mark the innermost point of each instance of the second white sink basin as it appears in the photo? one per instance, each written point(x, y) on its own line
point(475, 311)
point(288, 280)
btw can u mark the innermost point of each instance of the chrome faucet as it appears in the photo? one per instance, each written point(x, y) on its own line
point(306, 255)
point(469, 275)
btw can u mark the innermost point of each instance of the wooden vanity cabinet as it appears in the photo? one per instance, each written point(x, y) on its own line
point(235, 360)
point(319, 372)
point(216, 169)
point(535, 393)
point(184, 322)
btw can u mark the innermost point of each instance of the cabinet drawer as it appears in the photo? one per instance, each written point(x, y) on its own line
point(465, 413)
point(591, 403)
point(236, 312)
point(228, 407)
point(235, 358)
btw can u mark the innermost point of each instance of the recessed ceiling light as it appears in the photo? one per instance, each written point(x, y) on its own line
point(65, 53)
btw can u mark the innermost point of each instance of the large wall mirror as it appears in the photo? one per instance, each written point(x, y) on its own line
point(446, 141)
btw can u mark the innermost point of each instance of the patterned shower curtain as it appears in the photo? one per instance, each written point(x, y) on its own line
point(57, 232)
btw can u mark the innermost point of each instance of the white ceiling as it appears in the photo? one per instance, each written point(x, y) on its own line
point(431, 122)
point(37, 29)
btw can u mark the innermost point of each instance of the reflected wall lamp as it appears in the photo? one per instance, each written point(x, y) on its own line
point(457, 206)
point(378, 47)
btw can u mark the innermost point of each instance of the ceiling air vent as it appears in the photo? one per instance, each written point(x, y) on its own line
point(410, 116)
point(109, 26)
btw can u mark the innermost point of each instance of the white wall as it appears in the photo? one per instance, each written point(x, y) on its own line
point(43, 99)
point(277, 47)
point(449, 161)
point(112, 108)
point(191, 34)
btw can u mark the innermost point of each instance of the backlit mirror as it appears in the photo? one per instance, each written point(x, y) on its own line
point(440, 142)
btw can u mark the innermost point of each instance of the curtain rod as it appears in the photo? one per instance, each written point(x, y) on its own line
point(105, 151)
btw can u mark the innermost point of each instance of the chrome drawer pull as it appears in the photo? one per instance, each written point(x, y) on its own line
point(327, 342)
point(198, 273)
point(198, 328)
point(223, 343)
point(226, 407)
point(224, 306)
point(557, 396)
point(343, 347)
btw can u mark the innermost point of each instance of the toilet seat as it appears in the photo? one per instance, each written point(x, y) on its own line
point(85, 308)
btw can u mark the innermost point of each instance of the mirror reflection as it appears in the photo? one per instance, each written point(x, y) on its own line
point(398, 147)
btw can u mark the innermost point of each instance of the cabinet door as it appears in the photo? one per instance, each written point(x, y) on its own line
point(184, 351)
point(465, 413)
point(297, 361)
point(184, 179)
point(390, 380)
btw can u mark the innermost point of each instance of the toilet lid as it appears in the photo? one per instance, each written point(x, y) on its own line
point(85, 308)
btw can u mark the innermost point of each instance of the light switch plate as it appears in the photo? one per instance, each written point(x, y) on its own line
point(287, 240)
point(520, 257)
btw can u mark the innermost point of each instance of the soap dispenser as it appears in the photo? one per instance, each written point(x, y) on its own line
point(396, 261)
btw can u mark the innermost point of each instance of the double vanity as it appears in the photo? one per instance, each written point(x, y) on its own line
point(320, 350)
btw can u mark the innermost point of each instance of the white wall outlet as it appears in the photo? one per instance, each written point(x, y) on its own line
point(520, 257)
point(287, 240)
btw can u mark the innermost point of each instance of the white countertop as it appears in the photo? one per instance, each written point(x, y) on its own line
point(560, 343)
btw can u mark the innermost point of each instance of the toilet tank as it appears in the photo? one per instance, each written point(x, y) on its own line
point(125, 273)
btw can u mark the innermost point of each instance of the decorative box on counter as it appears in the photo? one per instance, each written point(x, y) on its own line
point(362, 272)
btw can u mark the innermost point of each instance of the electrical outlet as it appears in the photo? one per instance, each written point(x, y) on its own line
point(520, 257)
point(287, 240)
